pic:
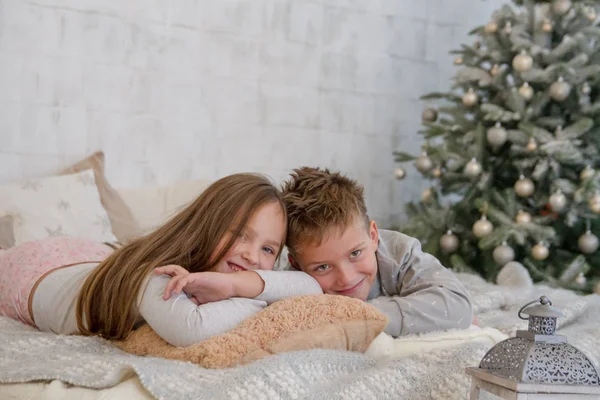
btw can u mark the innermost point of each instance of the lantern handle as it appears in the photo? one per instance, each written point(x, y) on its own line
point(543, 299)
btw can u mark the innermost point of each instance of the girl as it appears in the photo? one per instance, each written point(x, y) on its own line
point(233, 232)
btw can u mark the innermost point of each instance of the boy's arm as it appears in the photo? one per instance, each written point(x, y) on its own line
point(279, 285)
point(425, 297)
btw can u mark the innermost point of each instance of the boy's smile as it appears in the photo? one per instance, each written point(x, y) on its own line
point(343, 264)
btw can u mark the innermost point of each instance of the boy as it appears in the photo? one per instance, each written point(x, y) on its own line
point(331, 238)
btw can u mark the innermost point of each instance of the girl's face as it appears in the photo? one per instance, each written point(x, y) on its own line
point(258, 244)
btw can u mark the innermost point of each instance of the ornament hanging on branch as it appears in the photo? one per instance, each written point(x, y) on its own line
point(399, 173)
point(594, 203)
point(561, 7)
point(532, 145)
point(587, 173)
point(458, 60)
point(496, 135)
point(580, 280)
point(482, 227)
point(591, 14)
point(449, 242)
point(558, 201)
point(508, 28)
point(472, 169)
point(522, 62)
point(470, 98)
point(524, 187)
point(526, 91)
point(588, 242)
point(560, 90)
point(547, 26)
point(503, 254)
point(494, 70)
point(523, 217)
point(427, 195)
point(491, 27)
point(586, 89)
point(429, 115)
point(437, 172)
point(540, 251)
point(423, 163)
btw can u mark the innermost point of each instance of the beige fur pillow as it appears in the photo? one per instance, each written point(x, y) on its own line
point(298, 323)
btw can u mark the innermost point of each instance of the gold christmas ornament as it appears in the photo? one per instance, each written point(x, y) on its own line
point(399, 173)
point(472, 169)
point(523, 217)
point(586, 89)
point(449, 242)
point(429, 115)
point(547, 26)
point(424, 163)
point(558, 201)
point(491, 27)
point(470, 98)
point(561, 7)
point(522, 62)
point(560, 90)
point(503, 254)
point(494, 70)
point(508, 27)
point(437, 172)
point(531, 145)
point(580, 280)
point(427, 195)
point(524, 187)
point(496, 135)
point(526, 91)
point(458, 60)
point(587, 173)
point(482, 227)
point(588, 243)
point(591, 14)
point(594, 203)
point(540, 251)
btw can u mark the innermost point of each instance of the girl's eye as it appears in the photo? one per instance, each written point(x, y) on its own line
point(355, 253)
point(269, 250)
point(322, 268)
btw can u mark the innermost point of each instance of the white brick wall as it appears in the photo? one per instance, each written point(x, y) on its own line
point(184, 89)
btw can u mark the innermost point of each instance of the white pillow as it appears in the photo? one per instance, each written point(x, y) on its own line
point(65, 205)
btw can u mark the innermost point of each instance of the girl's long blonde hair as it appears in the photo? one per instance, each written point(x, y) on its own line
point(104, 305)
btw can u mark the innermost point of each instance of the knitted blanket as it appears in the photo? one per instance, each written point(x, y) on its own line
point(390, 369)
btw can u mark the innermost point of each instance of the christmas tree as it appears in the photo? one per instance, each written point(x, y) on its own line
point(512, 149)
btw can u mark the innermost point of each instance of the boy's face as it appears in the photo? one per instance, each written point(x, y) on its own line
point(344, 265)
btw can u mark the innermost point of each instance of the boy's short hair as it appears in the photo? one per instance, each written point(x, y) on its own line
point(319, 201)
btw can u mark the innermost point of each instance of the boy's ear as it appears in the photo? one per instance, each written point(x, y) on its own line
point(374, 233)
point(293, 262)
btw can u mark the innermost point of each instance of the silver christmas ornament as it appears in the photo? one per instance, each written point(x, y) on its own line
point(558, 201)
point(532, 145)
point(427, 195)
point(580, 280)
point(503, 254)
point(470, 98)
point(587, 173)
point(508, 27)
point(482, 227)
point(449, 242)
point(424, 163)
point(522, 62)
point(586, 89)
point(560, 90)
point(491, 27)
point(496, 135)
point(540, 251)
point(429, 115)
point(523, 217)
point(399, 173)
point(561, 7)
point(526, 91)
point(472, 169)
point(588, 243)
point(524, 187)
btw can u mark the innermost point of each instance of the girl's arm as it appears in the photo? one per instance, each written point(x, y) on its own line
point(180, 322)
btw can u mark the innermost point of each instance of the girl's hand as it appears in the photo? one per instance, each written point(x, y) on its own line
point(207, 287)
point(172, 270)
